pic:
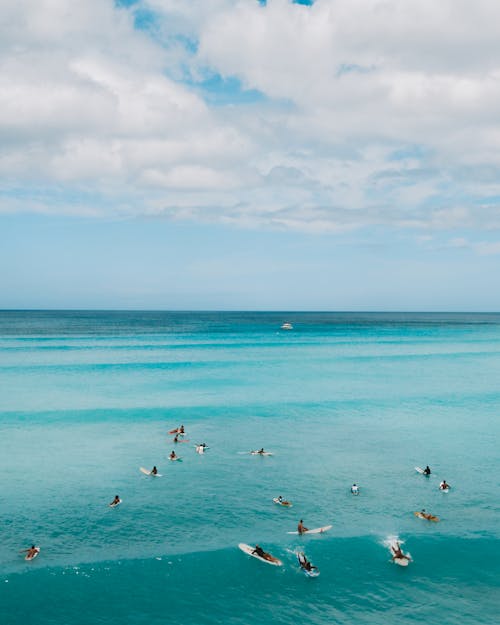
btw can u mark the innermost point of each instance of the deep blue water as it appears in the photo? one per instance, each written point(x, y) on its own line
point(86, 398)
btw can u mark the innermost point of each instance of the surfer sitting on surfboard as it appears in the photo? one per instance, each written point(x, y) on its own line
point(444, 485)
point(427, 470)
point(115, 501)
point(173, 456)
point(398, 554)
point(154, 471)
point(355, 489)
point(301, 527)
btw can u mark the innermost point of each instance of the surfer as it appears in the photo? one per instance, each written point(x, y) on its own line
point(31, 552)
point(173, 456)
point(154, 471)
point(304, 562)
point(258, 551)
point(261, 451)
point(426, 515)
point(181, 430)
point(115, 501)
point(427, 470)
point(355, 489)
point(176, 438)
point(444, 485)
point(398, 554)
point(283, 502)
point(301, 527)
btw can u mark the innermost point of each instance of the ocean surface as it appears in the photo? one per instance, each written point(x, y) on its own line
point(86, 398)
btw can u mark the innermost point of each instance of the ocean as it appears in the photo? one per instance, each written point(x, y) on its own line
point(87, 398)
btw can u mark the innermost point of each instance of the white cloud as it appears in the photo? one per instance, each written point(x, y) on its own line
point(374, 112)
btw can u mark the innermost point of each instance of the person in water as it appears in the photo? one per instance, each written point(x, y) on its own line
point(173, 456)
point(154, 471)
point(301, 527)
point(261, 451)
point(354, 489)
point(176, 438)
point(398, 554)
point(427, 470)
point(181, 430)
point(282, 501)
point(115, 501)
point(30, 552)
point(444, 485)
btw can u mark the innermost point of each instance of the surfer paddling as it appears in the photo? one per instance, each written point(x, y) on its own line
point(258, 551)
point(31, 552)
point(398, 554)
point(304, 563)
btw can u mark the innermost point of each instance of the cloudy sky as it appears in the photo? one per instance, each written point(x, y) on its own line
point(237, 154)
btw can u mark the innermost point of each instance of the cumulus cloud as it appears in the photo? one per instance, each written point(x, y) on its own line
point(370, 112)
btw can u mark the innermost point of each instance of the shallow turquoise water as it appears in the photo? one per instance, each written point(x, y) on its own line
point(88, 398)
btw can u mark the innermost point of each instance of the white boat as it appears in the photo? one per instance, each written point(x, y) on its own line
point(287, 326)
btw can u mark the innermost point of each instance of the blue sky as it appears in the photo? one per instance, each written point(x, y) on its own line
point(335, 155)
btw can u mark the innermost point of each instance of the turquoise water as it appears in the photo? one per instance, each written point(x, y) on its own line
point(88, 397)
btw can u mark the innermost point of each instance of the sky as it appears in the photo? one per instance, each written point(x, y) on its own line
point(243, 154)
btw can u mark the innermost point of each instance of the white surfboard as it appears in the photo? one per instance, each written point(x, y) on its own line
point(419, 470)
point(317, 530)
point(261, 453)
point(249, 550)
point(146, 472)
point(176, 459)
point(28, 557)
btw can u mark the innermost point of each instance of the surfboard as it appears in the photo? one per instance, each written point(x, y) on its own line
point(113, 504)
point(249, 551)
point(263, 453)
point(29, 557)
point(178, 459)
point(317, 530)
point(302, 559)
point(399, 561)
point(146, 472)
point(287, 504)
point(429, 518)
